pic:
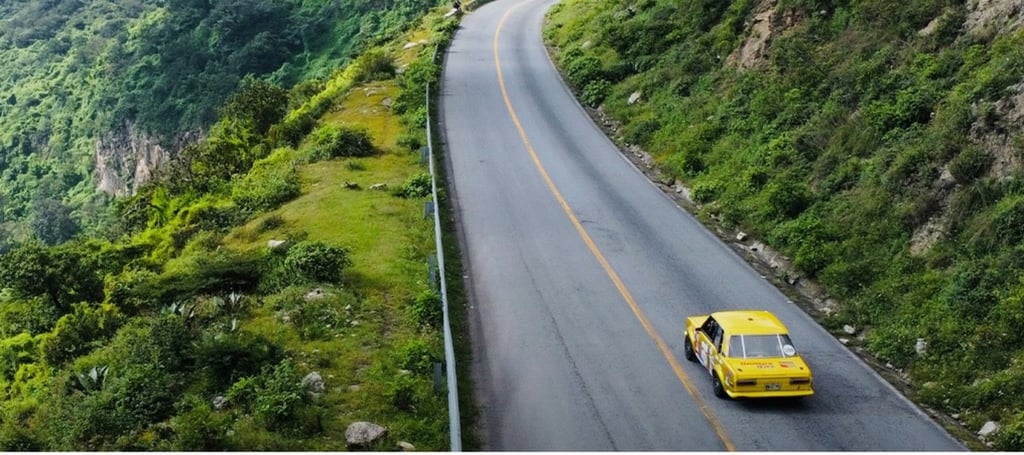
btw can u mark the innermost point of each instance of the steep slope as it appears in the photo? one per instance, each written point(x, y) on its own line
point(96, 95)
point(250, 301)
point(876, 144)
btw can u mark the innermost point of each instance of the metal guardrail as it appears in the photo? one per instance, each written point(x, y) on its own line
point(454, 423)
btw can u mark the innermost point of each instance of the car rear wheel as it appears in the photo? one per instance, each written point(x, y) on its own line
point(688, 349)
point(717, 385)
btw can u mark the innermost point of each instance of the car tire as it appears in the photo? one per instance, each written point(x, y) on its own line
point(688, 350)
point(717, 386)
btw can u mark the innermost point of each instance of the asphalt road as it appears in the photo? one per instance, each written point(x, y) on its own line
point(581, 273)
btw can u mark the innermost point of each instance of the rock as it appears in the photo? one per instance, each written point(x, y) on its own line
point(387, 102)
point(314, 384)
point(955, 416)
point(406, 447)
point(410, 45)
point(849, 329)
point(889, 365)
point(219, 401)
point(921, 346)
point(379, 186)
point(741, 236)
point(274, 244)
point(363, 434)
point(315, 294)
point(633, 98)
point(845, 341)
point(350, 185)
point(355, 388)
point(988, 428)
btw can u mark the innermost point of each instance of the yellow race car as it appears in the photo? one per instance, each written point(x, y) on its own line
point(748, 354)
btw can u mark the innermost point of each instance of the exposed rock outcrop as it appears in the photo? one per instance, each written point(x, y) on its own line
point(127, 158)
point(767, 22)
point(990, 17)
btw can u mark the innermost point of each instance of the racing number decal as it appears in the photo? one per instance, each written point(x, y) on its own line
point(705, 353)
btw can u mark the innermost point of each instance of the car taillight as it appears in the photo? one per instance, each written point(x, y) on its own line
point(794, 381)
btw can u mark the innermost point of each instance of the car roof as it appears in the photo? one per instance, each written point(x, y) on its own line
point(750, 322)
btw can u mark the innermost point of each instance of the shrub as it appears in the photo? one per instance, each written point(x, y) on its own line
point(132, 289)
point(642, 132)
point(197, 427)
point(417, 357)
point(971, 163)
point(410, 140)
point(15, 437)
point(267, 186)
point(706, 191)
point(16, 351)
point(273, 397)
point(33, 316)
point(402, 393)
point(416, 186)
point(595, 92)
point(317, 261)
point(583, 70)
point(226, 357)
point(270, 223)
point(211, 216)
point(427, 308)
point(1011, 436)
point(1009, 217)
point(686, 162)
point(81, 331)
point(291, 131)
point(317, 318)
point(334, 141)
point(374, 65)
point(806, 239)
point(787, 199)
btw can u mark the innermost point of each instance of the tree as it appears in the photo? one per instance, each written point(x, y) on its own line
point(259, 102)
point(65, 275)
point(52, 222)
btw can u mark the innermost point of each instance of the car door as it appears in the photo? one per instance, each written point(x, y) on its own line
point(708, 343)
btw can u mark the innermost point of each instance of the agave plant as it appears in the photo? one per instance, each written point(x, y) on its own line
point(93, 380)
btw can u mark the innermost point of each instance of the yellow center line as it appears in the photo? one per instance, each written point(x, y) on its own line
point(626, 295)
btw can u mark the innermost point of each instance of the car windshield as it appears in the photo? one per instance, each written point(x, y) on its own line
point(754, 346)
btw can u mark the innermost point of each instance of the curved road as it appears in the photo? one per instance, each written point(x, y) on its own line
point(581, 272)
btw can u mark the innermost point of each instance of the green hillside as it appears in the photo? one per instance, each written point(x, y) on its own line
point(264, 291)
point(877, 144)
point(75, 72)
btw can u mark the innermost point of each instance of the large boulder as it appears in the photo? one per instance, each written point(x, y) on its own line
point(362, 435)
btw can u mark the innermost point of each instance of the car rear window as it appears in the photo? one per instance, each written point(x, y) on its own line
point(760, 346)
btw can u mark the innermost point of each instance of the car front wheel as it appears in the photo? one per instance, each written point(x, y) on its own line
point(717, 385)
point(688, 349)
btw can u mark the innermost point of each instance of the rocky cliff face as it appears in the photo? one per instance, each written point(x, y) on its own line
point(127, 158)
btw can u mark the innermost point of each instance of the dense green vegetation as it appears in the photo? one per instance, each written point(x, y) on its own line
point(866, 122)
point(75, 72)
point(182, 328)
